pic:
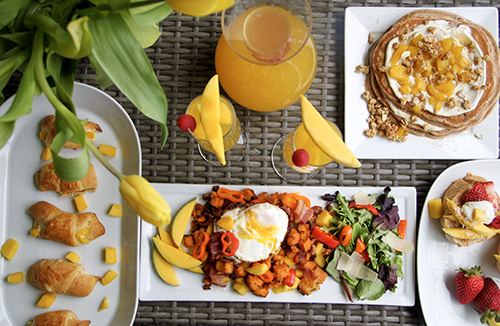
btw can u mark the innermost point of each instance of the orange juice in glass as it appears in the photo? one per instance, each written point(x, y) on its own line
point(234, 136)
point(266, 57)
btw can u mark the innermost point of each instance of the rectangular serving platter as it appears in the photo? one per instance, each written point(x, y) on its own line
point(359, 22)
point(19, 161)
point(153, 288)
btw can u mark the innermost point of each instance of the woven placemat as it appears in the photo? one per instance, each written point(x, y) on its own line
point(183, 59)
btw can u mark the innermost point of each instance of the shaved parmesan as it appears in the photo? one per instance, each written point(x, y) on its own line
point(397, 243)
point(364, 198)
point(353, 266)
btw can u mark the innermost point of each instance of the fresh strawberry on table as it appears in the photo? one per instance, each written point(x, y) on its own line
point(477, 193)
point(488, 300)
point(468, 284)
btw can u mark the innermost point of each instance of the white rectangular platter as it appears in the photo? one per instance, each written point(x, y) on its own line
point(359, 22)
point(19, 161)
point(152, 288)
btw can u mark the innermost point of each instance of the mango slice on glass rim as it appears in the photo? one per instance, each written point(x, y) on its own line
point(324, 136)
point(210, 117)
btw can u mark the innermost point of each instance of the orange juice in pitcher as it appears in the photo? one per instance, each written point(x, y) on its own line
point(266, 57)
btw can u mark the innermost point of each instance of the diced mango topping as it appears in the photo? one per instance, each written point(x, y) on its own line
point(240, 286)
point(16, 278)
point(435, 207)
point(110, 254)
point(107, 150)
point(104, 304)
point(226, 223)
point(42, 135)
point(46, 154)
point(397, 54)
point(109, 277)
point(73, 257)
point(115, 210)
point(82, 235)
point(90, 134)
point(46, 300)
point(80, 203)
point(324, 218)
point(9, 249)
point(478, 215)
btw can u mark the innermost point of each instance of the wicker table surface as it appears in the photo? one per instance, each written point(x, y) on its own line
point(183, 59)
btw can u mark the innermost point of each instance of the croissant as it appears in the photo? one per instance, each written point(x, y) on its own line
point(48, 132)
point(47, 180)
point(51, 223)
point(62, 277)
point(58, 318)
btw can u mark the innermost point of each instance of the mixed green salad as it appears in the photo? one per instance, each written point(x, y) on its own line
point(368, 259)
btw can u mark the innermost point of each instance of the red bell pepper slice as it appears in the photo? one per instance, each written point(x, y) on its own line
point(402, 228)
point(230, 244)
point(371, 208)
point(290, 278)
point(345, 235)
point(200, 246)
point(233, 195)
point(327, 238)
point(360, 246)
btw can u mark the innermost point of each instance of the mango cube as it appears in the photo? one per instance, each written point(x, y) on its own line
point(240, 286)
point(46, 154)
point(109, 277)
point(107, 150)
point(324, 218)
point(104, 304)
point(15, 278)
point(226, 223)
point(46, 301)
point(115, 210)
point(288, 261)
point(73, 257)
point(35, 231)
point(435, 207)
point(258, 269)
point(80, 203)
point(9, 249)
point(110, 255)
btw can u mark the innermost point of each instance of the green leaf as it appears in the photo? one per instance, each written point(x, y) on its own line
point(9, 10)
point(22, 38)
point(122, 59)
point(368, 290)
point(69, 169)
point(102, 79)
point(62, 71)
point(75, 42)
point(147, 35)
point(6, 129)
point(150, 14)
point(8, 66)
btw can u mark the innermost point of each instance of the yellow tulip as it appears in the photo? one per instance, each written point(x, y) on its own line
point(145, 200)
point(199, 8)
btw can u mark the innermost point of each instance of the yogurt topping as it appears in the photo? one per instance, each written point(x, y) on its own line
point(485, 206)
point(440, 30)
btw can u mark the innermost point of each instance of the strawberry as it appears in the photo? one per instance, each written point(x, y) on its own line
point(186, 122)
point(491, 194)
point(300, 157)
point(488, 300)
point(477, 193)
point(468, 284)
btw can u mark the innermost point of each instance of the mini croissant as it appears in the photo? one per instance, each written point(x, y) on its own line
point(62, 277)
point(47, 180)
point(48, 132)
point(58, 318)
point(51, 223)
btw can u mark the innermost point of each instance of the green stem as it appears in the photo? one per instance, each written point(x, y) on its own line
point(102, 159)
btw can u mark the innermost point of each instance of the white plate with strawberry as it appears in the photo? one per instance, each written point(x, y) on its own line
point(439, 261)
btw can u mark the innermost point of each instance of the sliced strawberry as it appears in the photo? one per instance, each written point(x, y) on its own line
point(468, 284)
point(477, 193)
point(491, 194)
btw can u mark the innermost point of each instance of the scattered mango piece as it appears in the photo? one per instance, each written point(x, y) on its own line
point(110, 254)
point(109, 277)
point(258, 269)
point(73, 257)
point(115, 210)
point(46, 154)
point(15, 278)
point(324, 218)
point(46, 301)
point(240, 286)
point(80, 203)
point(226, 223)
point(9, 249)
point(107, 150)
point(104, 304)
point(435, 207)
